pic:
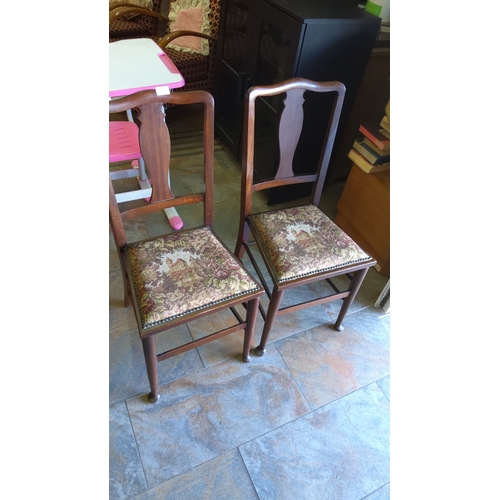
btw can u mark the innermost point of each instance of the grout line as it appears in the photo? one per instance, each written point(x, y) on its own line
point(148, 487)
point(248, 472)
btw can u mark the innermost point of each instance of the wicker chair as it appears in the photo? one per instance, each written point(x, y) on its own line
point(197, 69)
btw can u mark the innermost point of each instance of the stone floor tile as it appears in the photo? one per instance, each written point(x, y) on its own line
point(383, 493)
point(218, 350)
point(340, 451)
point(127, 368)
point(328, 364)
point(224, 477)
point(384, 384)
point(206, 414)
point(126, 477)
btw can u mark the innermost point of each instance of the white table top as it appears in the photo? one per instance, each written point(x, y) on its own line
point(140, 64)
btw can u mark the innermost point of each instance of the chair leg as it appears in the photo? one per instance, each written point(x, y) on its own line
point(252, 309)
point(272, 312)
point(242, 238)
point(356, 281)
point(126, 297)
point(149, 347)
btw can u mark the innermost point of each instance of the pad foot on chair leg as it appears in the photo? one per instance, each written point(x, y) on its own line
point(152, 398)
point(259, 351)
point(246, 359)
point(339, 328)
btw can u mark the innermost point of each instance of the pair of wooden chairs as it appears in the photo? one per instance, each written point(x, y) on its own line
point(181, 276)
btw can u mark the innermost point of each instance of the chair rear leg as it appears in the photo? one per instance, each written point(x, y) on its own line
point(253, 307)
point(356, 281)
point(242, 238)
point(149, 347)
point(272, 312)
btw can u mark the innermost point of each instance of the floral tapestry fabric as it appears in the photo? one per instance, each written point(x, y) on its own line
point(303, 241)
point(184, 272)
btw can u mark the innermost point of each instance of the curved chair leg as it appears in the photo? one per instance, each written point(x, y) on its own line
point(149, 347)
point(252, 308)
point(272, 312)
point(356, 281)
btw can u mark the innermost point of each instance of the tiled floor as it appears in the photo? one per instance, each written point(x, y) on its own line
point(309, 420)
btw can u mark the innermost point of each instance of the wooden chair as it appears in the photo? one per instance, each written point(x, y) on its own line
point(196, 67)
point(181, 276)
point(299, 245)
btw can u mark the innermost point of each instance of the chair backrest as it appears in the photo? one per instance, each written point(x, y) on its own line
point(154, 140)
point(135, 26)
point(198, 70)
point(288, 135)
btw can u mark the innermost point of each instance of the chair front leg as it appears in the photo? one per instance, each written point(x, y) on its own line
point(149, 347)
point(272, 312)
point(252, 308)
point(356, 282)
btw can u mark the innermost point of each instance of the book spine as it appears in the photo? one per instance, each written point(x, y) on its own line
point(372, 146)
point(364, 165)
point(384, 132)
point(359, 161)
point(369, 155)
point(378, 139)
point(372, 156)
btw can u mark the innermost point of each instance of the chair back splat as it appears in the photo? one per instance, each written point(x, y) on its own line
point(300, 244)
point(179, 276)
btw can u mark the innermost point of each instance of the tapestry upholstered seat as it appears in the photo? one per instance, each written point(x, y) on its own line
point(179, 274)
point(303, 241)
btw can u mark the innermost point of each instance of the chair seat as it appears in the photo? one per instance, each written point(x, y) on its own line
point(303, 241)
point(123, 141)
point(180, 273)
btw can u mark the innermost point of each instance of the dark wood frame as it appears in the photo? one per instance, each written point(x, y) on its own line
point(290, 128)
point(154, 139)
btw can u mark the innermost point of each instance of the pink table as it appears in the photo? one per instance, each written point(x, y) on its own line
point(140, 64)
point(134, 65)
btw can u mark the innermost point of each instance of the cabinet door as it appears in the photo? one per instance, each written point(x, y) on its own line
point(275, 56)
point(232, 70)
point(274, 59)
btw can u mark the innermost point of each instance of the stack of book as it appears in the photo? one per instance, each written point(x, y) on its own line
point(371, 152)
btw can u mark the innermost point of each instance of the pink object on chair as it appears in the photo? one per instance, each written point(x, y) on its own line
point(123, 141)
point(123, 146)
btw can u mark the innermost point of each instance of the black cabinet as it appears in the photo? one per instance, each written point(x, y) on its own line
point(262, 42)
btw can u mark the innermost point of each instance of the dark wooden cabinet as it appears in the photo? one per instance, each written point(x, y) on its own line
point(262, 42)
point(371, 99)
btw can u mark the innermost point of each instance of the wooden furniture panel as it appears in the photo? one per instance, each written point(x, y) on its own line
point(372, 96)
point(363, 212)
